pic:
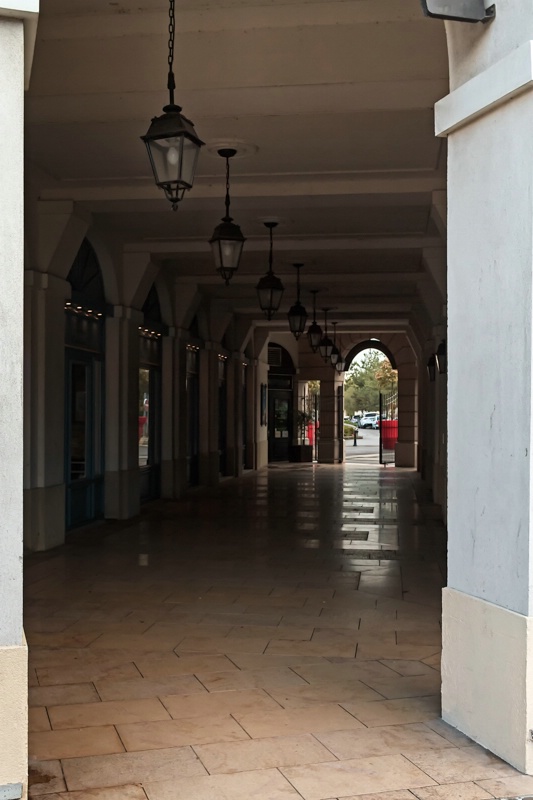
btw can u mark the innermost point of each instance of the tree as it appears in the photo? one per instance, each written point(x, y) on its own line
point(366, 379)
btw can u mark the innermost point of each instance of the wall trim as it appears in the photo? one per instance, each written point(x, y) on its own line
point(506, 79)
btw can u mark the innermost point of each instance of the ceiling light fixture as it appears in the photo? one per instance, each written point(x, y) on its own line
point(314, 331)
point(171, 141)
point(227, 240)
point(297, 314)
point(326, 345)
point(340, 366)
point(270, 289)
point(335, 352)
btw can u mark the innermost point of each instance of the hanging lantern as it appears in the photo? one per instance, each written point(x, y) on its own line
point(326, 345)
point(270, 289)
point(335, 353)
point(297, 314)
point(340, 366)
point(314, 331)
point(171, 140)
point(227, 240)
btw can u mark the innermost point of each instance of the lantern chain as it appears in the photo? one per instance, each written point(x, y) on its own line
point(171, 37)
point(228, 218)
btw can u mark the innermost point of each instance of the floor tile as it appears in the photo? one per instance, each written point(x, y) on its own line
point(266, 784)
point(461, 764)
point(112, 712)
point(114, 770)
point(281, 722)
point(54, 676)
point(247, 661)
point(180, 732)
point(448, 732)
point(453, 791)
point(67, 694)
point(250, 679)
point(517, 785)
point(408, 668)
point(170, 665)
point(381, 774)
point(278, 751)
point(333, 692)
point(289, 647)
point(345, 671)
point(38, 719)
point(231, 702)
point(401, 794)
point(124, 792)
point(386, 740)
point(395, 712)
point(211, 644)
point(94, 741)
point(418, 686)
point(145, 688)
point(45, 778)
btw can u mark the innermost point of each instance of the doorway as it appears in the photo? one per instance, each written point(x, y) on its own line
point(84, 461)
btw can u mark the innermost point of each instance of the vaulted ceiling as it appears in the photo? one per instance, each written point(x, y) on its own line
point(330, 104)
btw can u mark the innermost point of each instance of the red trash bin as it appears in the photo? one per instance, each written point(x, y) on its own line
point(389, 433)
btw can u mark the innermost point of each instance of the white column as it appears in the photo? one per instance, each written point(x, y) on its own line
point(13, 652)
point(44, 410)
point(122, 499)
point(329, 451)
point(209, 455)
point(487, 616)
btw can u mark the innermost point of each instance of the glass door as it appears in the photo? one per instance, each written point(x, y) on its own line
point(279, 424)
point(84, 439)
point(149, 426)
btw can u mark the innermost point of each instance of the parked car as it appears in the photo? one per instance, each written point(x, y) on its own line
point(370, 420)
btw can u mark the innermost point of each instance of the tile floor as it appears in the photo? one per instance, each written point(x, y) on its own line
point(278, 638)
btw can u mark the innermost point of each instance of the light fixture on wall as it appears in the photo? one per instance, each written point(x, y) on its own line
point(270, 289)
point(432, 368)
point(314, 331)
point(326, 345)
point(227, 240)
point(441, 357)
point(459, 10)
point(171, 141)
point(297, 314)
point(335, 353)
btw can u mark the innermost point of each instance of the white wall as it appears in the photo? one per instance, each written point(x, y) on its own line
point(487, 623)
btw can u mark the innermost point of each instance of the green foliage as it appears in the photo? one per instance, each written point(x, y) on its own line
point(366, 379)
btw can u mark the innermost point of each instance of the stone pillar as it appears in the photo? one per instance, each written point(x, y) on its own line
point(252, 402)
point(173, 416)
point(44, 410)
point(122, 499)
point(13, 651)
point(209, 455)
point(406, 446)
point(487, 669)
point(234, 415)
point(328, 444)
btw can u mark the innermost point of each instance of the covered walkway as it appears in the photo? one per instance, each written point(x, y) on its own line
point(276, 638)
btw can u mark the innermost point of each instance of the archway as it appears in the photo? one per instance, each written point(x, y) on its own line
point(84, 390)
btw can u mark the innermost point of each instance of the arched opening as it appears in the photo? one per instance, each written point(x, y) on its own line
point(371, 403)
point(280, 402)
point(84, 390)
point(149, 420)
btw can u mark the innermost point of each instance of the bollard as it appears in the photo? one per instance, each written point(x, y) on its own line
point(355, 437)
